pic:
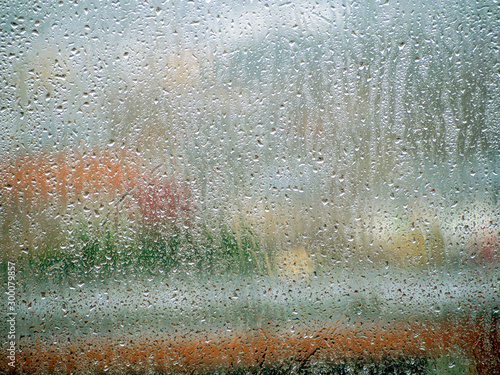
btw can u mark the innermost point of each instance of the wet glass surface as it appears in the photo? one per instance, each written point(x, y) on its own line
point(258, 186)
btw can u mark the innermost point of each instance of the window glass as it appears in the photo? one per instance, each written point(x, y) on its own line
point(250, 186)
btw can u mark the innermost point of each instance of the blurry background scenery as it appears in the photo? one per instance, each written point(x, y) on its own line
point(191, 186)
point(279, 138)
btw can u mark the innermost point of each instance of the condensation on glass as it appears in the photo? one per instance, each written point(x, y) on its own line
point(260, 186)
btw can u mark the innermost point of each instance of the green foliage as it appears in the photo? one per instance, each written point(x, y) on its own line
point(241, 251)
point(109, 250)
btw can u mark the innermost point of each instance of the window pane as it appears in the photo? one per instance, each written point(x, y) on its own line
point(258, 186)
